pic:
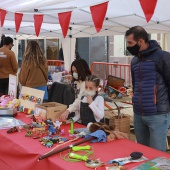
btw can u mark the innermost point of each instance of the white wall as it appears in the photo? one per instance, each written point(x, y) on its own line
point(161, 41)
point(118, 45)
point(167, 42)
point(68, 45)
point(15, 48)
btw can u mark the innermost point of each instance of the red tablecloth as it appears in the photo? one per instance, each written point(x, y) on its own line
point(18, 152)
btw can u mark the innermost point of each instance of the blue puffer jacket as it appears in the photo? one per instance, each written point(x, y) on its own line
point(151, 81)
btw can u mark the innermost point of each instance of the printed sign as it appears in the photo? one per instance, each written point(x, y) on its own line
point(13, 82)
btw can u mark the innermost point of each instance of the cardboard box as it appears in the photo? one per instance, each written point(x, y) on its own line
point(51, 110)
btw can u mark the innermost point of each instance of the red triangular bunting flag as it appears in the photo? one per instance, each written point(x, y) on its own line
point(2, 16)
point(64, 20)
point(38, 19)
point(18, 19)
point(148, 7)
point(98, 13)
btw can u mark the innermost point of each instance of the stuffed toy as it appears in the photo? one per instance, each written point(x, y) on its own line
point(2, 98)
point(5, 101)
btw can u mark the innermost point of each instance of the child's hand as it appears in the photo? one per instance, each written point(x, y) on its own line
point(89, 99)
point(64, 115)
point(66, 121)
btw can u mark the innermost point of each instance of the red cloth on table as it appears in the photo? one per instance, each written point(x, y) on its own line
point(18, 152)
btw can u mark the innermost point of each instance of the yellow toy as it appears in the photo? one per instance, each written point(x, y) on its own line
point(14, 103)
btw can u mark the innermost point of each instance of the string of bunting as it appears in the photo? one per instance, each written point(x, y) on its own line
point(98, 13)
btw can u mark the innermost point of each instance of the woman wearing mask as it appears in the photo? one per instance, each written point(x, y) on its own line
point(79, 70)
point(34, 69)
point(91, 106)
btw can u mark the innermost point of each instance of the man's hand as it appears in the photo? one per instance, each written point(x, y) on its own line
point(89, 99)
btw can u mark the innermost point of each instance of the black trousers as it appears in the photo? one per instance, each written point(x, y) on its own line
point(4, 86)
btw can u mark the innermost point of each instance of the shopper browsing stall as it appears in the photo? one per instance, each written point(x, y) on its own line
point(34, 69)
point(90, 106)
point(8, 64)
point(150, 68)
point(79, 70)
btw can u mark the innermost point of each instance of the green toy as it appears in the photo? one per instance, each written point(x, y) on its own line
point(89, 163)
point(154, 168)
point(71, 131)
point(76, 156)
point(77, 148)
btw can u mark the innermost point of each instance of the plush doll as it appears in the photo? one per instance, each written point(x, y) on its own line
point(2, 98)
point(5, 101)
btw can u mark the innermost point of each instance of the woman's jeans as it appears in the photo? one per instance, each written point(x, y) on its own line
point(152, 130)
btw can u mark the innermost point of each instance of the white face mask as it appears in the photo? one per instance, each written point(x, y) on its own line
point(75, 75)
point(89, 93)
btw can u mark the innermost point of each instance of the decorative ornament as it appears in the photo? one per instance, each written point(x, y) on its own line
point(148, 7)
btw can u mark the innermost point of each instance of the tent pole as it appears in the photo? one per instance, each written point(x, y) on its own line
point(108, 54)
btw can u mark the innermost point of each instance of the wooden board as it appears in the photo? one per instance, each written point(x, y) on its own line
point(30, 92)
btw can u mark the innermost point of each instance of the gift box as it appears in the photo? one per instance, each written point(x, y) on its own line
point(121, 123)
point(50, 110)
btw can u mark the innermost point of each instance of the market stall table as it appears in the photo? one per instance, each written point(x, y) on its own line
point(18, 152)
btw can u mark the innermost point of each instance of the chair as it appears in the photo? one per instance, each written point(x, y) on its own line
point(61, 93)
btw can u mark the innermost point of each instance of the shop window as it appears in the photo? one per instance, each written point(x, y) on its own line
point(52, 49)
point(21, 49)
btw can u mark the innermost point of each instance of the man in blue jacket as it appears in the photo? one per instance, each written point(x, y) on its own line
point(150, 68)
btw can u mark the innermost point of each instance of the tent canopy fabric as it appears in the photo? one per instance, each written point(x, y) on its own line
point(120, 15)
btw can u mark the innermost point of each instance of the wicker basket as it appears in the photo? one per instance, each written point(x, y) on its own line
point(122, 124)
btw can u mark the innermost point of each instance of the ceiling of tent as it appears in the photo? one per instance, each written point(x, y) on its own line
point(121, 14)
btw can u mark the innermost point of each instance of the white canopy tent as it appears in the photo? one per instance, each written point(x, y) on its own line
point(120, 15)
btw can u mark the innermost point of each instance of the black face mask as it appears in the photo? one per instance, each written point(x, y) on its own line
point(134, 50)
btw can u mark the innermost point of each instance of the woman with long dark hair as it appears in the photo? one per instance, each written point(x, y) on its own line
point(79, 70)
